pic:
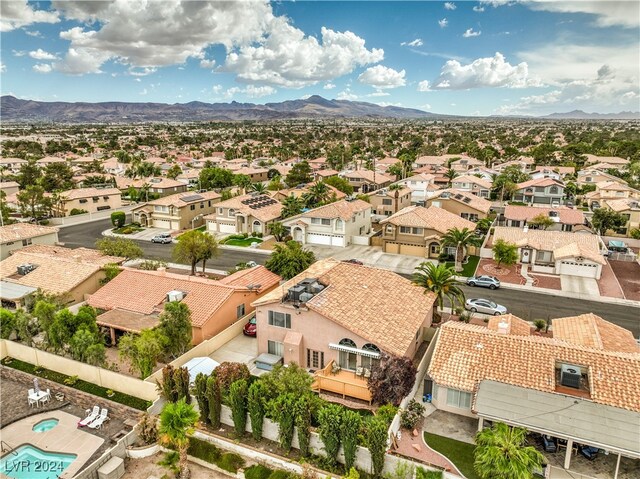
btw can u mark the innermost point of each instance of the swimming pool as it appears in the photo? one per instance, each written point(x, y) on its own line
point(45, 425)
point(29, 462)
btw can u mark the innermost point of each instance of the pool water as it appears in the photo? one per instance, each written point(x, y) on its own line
point(29, 462)
point(45, 425)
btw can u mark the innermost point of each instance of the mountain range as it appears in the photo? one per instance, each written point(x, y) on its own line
point(13, 109)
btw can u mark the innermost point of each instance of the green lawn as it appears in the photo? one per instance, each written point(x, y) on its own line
point(469, 269)
point(458, 452)
point(245, 242)
point(127, 229)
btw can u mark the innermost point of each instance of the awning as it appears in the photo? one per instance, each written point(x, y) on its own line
point(566, 417)
point(13, 291)
point(361, 352)
point(204, 365)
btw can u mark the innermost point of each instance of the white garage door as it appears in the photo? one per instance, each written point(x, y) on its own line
point(573, 268)
point(313, 238)
point(227, 228)
point(337, 241)
point(162, 224)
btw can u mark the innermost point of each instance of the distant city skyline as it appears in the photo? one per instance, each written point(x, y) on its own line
point(462, 58)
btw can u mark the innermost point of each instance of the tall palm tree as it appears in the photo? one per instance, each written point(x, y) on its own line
point(461, 239)
point(440, 280)
point(317, 195)
point(450, 174)
point(501, 453)
point(291, 206)
point(177, 422)
point(259, 188)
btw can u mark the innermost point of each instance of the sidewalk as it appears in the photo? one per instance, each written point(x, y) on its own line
point(555, 292)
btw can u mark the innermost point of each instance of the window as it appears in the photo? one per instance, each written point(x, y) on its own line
point(515, 223)
point(588, 179)
point(322, 221)
point(232, 212)
point(539, 189)
point(347, 360)
point(339, 224)
point(192, 207)
point(553, 190)
point(26, 242)
point(367, 362)
point(434, 248)
point(275, 348)
point(106, 198)
point(201, 205)
point(281, 320)
point(83, 200)
point(209, 202)
point(161, 209)
point(96, 199)
point(459, 399)
point(315, 221)
point(387, 202)
point(411, 231)
point(104, 207)
point(220, 211)
point(315, 359)
point(240, 311)
point(544, 256)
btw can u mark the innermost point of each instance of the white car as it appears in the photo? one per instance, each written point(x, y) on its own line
point(479, 305)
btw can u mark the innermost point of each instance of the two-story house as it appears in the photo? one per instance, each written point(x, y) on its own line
point(90, 200)
point(613, 161)
point(417, 231)
point(338, 319)
point(592, 176)
point(251, 213)
point(177, 212)
point(555, 172)
point(12, 165)
point(464, 163)
point(19, 235)
point(335, 224)
point(629, 208)
point(564, 219)
point(478, 186)
point(422, 187)
point(388, 201)
point(464, 204)
point(364, 181)
point(159, 185)
point(543, 191)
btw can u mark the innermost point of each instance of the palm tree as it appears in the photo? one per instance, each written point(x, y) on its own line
point(501, 453)
point(259, 188)
point(291, 206)
point(450, 174)
point(461, 239)
point(318, 194)
point(278, 230)
point(177, 422)
point(440, 280)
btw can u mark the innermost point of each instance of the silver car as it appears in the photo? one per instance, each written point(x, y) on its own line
point(484, 281)
point(486, 306)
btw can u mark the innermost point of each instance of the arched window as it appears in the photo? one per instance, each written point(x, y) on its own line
point(232, 212)
point(368, 362)
point(339, 224)
point(347, 342)
point(347, 360)
point(553, 190)
point(371, 347)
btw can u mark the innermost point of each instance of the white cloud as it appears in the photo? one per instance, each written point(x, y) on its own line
point(607, 13)
point(449, 6)
point(15, 14)
point(42, 68)
point(346, 95)
point(250, 91)
point(144, 91)
point(141, 72)
point(18, 53)
point(40, 54)
point(443, 23)
point(413, 43)
point(384, 103)
point(328, 86)
point(426, 106)
point(382, 77)
point(207, 63)
point(34, 33)
point(378, 93)
point(424, 85)
point(484, 72)
point(217, 89)
point(138, 80)
point(3, 67)
point(470, 33)
point(478, 8)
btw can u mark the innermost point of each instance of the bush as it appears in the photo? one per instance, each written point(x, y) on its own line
point(148, 429)
point(77, 211)
point(409, 417)
point(377, 444)
point(392, 379)
point(228, 373)
point(256, 405)
point(118, 218)
point(203, 450)
point(330, 419)
point(387, 412)
point(257, 471)
point(540, 324)
point(280, 474)
point(422, 473)
point(230, 462)
point(238, 404)
point(260, 235)
point(245, 235)
point(126, 231)
point(254, 234)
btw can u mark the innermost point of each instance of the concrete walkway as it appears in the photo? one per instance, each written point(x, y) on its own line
point(524, 271)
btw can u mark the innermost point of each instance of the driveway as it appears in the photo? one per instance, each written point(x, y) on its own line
point(578, 284)
point(371, 256)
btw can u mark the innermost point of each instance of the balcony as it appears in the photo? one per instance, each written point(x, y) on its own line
point(344, 382)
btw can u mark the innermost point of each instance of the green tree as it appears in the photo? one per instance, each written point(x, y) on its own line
point(291, 206)
point(339, 184)
point(194, 246)
point(484, 225)
point(177, 423)
point(300, 174)
point(210, 249)
point(541, 221)
point(501, 453)
point(259, 188)
point(238, 403)
point(200, 389)
point(174, 171)
point(283, 408)
point(289, 259)
point(211, 178)
point(143, 351)
point(33, 202)
point(121, 247)
point(118, 219)
point(175, 325)
point(317, 195)
point(350, 428)
point(29, 174)
point(45, 312)
point(330, 430)
point(376, 439)
point(242, 181)
point(5, 211)
point(461, 239)
point(303, 414)
point(86, 347)
point(278, 230)
point(7, 323)
point(256, 398)
point(57, 176)
point(604, 220)
point(440, 280)
point(504, 252)
point(450, 175)
point(214, 397)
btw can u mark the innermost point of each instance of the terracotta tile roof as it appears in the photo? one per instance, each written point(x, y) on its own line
point(613, 186)
point(612, 160)
point(563, 170)
point(326, 173)
point(85, 255)
point(547, 240)
point(89, 193)
point(574, 250)
point(145, 292)
point(157, 182)
point(55, 275)
point(405, 190)
point(20, 231)
point(436, 160)
point(592, 331)
point(428, 177)
point(370, 176)
point(472, 179)
point(8, 161)
point(430, 218)
point(340, 209)
point(466, 354)
point(266, 213)
point(517, 326)
point(258, 275)
point(179, 199)
point(127, 320)
point(250, 170)
point(539, 182)
point(568, 216)
point(378, 305)
point(465, 198)
point(622, 204)
point(8, 184)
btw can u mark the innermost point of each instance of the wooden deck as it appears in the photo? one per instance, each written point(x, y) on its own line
point(343, 382)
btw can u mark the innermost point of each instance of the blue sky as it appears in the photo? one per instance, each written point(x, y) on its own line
point(468, 58)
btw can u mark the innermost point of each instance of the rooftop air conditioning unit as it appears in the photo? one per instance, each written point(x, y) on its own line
point(295, 292)
point(316, 288)
point(175, 295)
point(304, 297)
point(570, 376)
point(25, 268)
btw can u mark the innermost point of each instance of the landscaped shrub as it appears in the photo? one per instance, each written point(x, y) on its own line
point(245, 235)
point(148, 429)
point(403, 470)
point(254, 234)
point(126, 231)
point(238, 405)
point(228, 372)
point(203, 450)
point(350, 427)
point(539, 324)
point(118, 219)
point(284, 409)
point(422, 473)
point(167, 388)
point(377, 444)
point(256, 405)
point(181, 381)
point(387, 412)
point(77, 211)
point(303, 424)
point(214, 399)
point(280, 474)
point(330, 419)
point(230, 462)
point(392, 379)
point(257, 471)
point(200, 389)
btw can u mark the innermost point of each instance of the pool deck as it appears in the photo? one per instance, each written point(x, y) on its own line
point(65, 437)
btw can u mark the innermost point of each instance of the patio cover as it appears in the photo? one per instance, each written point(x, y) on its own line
point(204, 365)
point(128, 321)
point(13, 291)
point(616, 244)
point(566, 417)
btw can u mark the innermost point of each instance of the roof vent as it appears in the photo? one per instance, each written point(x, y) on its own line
point(175, 295)
point(26, 268)
point(570, 376)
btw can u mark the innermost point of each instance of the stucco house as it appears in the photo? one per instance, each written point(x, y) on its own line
point(9, 187)
point(422, 187)
point(628, 208)
point(19, 235)
point(364, 181)
point(555, 172)
point(244, 214)
point(387, 201)
point(337, 224)
point(159, 185)
point(552, 252)
point(13, 165)
point(478, 186)
point(565, 219)
point(464, 204)
point(90, 200)
point(591, 176)
point(177, 212)
point(417, 231)
point(543, 191)
point(585, 375)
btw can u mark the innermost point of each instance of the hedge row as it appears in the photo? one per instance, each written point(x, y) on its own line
point(208, 452)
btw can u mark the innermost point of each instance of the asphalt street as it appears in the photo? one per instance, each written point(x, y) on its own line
point(524, 304)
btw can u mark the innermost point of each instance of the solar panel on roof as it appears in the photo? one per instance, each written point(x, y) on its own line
point(190, 198)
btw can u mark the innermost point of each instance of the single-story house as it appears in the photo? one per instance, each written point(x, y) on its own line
point(565, 219)
point(19, 235)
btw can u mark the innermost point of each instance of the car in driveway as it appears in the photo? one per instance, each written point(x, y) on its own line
point(163, 238)
point(486, 306)
point(250, 328)
point(484, 281)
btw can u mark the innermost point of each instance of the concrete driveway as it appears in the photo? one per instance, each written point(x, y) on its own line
point(371, 256)
point(578, 284)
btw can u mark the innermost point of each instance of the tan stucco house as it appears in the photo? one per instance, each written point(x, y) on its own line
point(387, 201)
point(250, 213)
point(461, 203)
point(91, 200)
point(177, 212)
point(19, 235)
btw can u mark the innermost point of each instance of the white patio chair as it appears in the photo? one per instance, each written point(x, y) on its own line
point(47, 397)
point(97, 424)
point(92, 416)
point(32, 400)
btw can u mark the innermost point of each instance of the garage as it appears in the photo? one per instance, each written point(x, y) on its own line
point(393, 248)
point(226, 228)
point(315, 238)
point(165, 224)
point(412, 250)
point(574, 268)
point(337, 241)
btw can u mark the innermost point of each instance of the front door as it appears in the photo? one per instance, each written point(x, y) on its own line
point(526, 255)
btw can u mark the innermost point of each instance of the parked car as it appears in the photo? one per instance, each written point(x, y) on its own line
point(251, 264)
point(250, 328)
point(480, 305)
point(163, 238)
point(484, 281)
point(549, 444)
point(353, 261)
point(589, 452)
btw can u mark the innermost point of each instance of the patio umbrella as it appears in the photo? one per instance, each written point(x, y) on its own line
point(36, 387)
